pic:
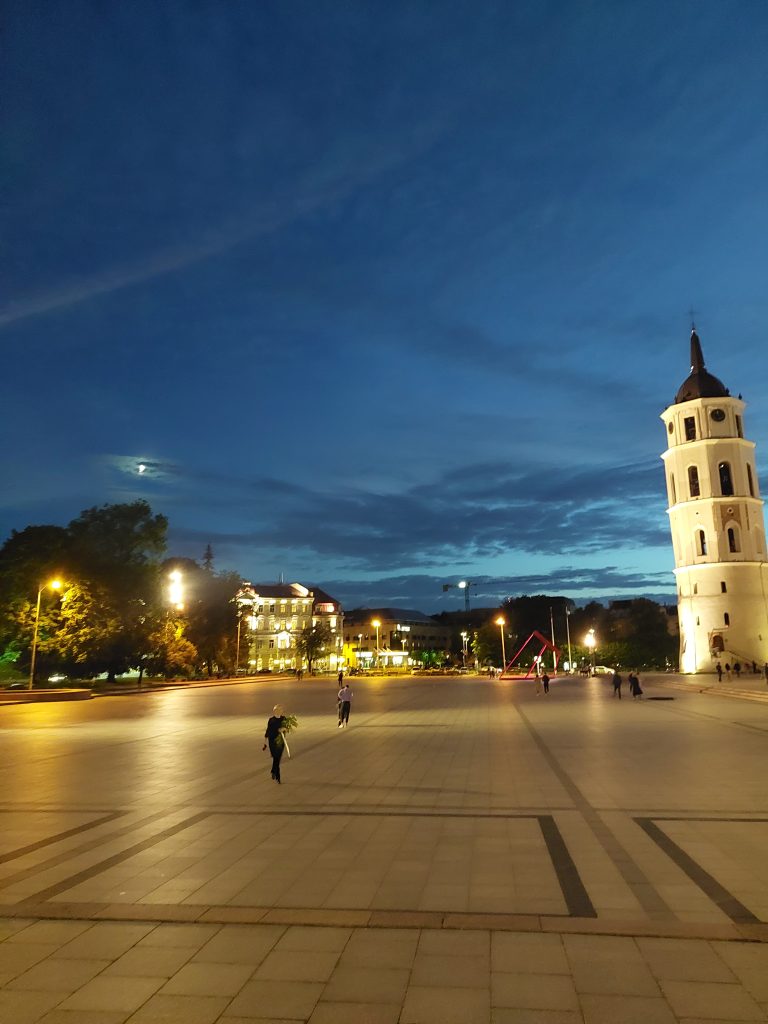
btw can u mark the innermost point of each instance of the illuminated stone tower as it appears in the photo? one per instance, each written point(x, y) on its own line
point(716, 519)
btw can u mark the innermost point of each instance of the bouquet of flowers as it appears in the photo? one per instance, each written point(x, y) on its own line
point(290, 722)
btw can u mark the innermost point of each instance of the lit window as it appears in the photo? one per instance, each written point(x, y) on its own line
point(726, 482)
point(693, 481)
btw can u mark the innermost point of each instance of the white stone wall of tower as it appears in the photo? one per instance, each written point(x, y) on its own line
point(722, 584)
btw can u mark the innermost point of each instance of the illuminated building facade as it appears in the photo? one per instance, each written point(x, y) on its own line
point(716, 519)
point(274, 613)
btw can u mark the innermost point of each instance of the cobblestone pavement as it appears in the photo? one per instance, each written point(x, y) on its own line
point(466, 851)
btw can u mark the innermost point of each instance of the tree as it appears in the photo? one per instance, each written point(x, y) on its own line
point(107, 558)
point(311, 642)
point(211, 617)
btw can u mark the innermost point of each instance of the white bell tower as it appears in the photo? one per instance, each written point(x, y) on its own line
point(716, 518)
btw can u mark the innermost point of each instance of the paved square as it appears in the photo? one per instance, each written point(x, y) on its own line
point(466, 851)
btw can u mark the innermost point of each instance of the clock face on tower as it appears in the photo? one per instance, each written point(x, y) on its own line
point(717, 415)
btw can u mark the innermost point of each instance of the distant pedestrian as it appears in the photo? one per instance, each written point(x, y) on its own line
point(737, 669)
point(754, 668)
point(634, 685)
point(616, 679)
point(545, 682)
point(274, 737)
point(727, 670)
point(719, 670)
point(341, 676)
point(345, 702)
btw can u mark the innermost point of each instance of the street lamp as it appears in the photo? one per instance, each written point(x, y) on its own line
point(54, 585)
point(590, 641)
point(176, 589)
point(376, 625)
point(464, 642)
point(568, 634)
point(501, 623)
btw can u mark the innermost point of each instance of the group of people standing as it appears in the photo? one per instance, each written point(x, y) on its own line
point(736, 669)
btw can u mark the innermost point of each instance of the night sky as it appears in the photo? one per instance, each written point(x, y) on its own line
point(383, 295)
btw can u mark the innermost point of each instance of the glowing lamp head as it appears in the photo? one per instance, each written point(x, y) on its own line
point(462, 584)
point(55, 584)
point(500, 621)
point(589, 639)
point(375, 623)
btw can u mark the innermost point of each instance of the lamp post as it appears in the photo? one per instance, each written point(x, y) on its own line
point(568, 635)
point(176, 589)
point(237, 651)
point(501, 623)
point(54, 585)
point(359, 649)
point(464, 642)
point(377, 626)
point(590, 641)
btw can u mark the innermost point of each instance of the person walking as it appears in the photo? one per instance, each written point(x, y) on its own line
point(616, 679)
point(341, 676)
point(345, 702)
point(719, 670)
point(728, 669)
point(765, 671)
point(545, 682)
point(634, 685)
point(737, 669)
point(274, 737)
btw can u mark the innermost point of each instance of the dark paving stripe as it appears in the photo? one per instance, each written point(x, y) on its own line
point(57, 837)
point(575, 895)
point(639, 884)
point(719, 895)
point(117, 858)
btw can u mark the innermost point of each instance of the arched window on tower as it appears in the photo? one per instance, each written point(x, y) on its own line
point(758, 535)
point(701, 539)
point(750, 481)
point(693, 481)
point(726, 481)
point(733, 538)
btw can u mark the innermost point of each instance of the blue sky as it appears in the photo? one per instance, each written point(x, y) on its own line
point(382, 294)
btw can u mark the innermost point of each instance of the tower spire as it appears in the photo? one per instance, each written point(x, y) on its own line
point(697, 356)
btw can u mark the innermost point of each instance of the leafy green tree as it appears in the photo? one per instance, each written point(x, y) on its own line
point(108, 560)
point(311, 641)
point(170, 652)
point(210, 614)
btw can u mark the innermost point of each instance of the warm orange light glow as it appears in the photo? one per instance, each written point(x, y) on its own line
point(501, 622)
point(55, 584)
point(375, 623)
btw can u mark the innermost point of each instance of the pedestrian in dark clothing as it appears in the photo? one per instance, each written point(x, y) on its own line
point(728, 669)
point(634, 685)
point(754, 668)
point(274, 738)
point(765, 671)
point(616, 678)
point(545, 682)
point(341, 676)
point(737, 669)
point(719, 670)
point(345, 703)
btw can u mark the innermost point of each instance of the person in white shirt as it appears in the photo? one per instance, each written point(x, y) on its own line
point(345, 702)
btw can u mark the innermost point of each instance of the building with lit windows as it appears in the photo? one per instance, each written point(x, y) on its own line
point(402, 633)
point(716, 518)
point(272, 614)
